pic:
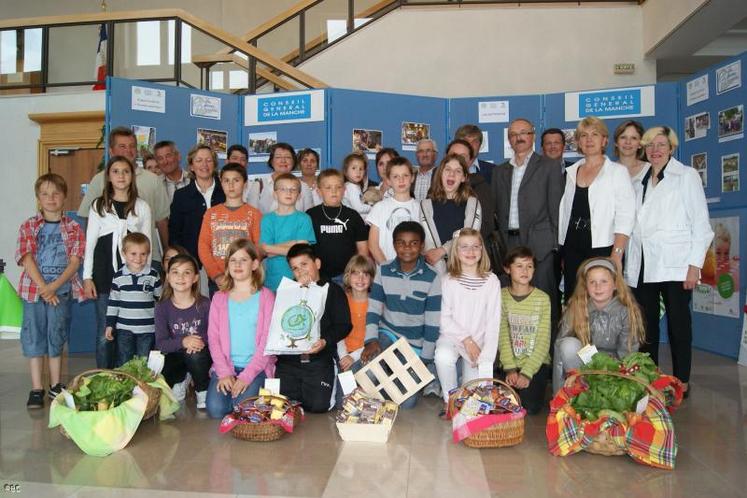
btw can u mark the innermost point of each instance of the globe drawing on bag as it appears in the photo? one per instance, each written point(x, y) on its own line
point(297, 322)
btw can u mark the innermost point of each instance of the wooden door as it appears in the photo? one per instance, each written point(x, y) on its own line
point(77, 167)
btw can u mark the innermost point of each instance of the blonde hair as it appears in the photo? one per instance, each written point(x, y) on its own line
point(664, 131)
point(454, 266)
point(358, 263)
point(591, 123)
point(258, 275)
point(577, 312)
point(721, 234)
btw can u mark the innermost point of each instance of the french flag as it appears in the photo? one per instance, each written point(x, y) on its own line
point(101, 60)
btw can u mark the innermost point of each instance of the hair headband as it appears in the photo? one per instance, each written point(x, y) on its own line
point(605, 263)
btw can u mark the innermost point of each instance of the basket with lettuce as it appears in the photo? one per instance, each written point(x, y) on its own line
point(616, 407)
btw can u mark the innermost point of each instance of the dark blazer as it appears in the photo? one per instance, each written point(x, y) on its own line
point(187, 210)
point(482, 191)
point(539, 202)
point(486, 170)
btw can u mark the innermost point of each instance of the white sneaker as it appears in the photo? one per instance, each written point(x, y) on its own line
point(180, 388)
point(201, 397)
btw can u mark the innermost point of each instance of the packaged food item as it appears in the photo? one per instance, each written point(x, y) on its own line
point(359, 408)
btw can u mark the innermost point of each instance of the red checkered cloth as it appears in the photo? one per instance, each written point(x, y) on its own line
point(647, 437)
point(73, 239)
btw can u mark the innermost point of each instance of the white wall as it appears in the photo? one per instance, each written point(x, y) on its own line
point(19, 138)
point(496, 50)
point(661, 17)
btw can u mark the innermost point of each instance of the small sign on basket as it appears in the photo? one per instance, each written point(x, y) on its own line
point(395, 374)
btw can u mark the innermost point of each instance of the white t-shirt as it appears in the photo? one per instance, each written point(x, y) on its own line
point(386, 215)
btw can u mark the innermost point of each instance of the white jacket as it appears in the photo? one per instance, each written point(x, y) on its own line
point(611, 202)
point(672, 228)
point(110, 223)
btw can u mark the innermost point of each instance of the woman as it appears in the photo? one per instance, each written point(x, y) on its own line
point(629, 151)
point(191, 202)
point(309, 161)
point(450, 206)
point(597, 210)
point(282, 160)
point(382, 159)
point(668, 246)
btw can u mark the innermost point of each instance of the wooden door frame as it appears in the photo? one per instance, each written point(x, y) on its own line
point(66, 129)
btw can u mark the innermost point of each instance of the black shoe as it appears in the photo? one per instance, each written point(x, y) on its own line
point(36, 399)
point(55, 390)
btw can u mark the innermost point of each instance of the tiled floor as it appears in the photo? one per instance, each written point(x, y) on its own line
point(188, 457)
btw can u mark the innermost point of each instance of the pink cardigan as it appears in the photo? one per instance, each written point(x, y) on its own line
point(219, 338)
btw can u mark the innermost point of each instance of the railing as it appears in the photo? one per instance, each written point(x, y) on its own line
point(46, 53)
point(310, 26)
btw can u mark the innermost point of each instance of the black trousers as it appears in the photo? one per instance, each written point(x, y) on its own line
point(533, 396)
point(176, 365)
point(679, 322)
point(572, 259)
point(310, 383)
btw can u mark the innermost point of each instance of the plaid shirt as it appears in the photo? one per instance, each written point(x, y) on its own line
point(75, 244)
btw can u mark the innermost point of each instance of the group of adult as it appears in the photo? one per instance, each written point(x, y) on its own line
point(647, 211)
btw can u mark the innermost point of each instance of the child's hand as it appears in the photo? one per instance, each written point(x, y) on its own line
point(511, 378)
point(473, 350)
point(346, 362)
point(193, 344)
point(239, 386)
point(522, 381)
point(225, 384)
point(433, 256)
point(109, 333)
point(89, 289)
point(219, 280)
point(370, 351)
point(49, 294)
point(317, 346)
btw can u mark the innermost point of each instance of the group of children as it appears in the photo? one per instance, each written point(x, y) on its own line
point(459, 320)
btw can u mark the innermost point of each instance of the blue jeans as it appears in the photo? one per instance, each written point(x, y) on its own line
point(105, 352)
point(384, 342)
point(130, 345)
point(219, 404)
point(45, 328)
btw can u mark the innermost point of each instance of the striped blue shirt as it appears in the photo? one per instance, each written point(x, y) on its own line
point(406, 304)
point(132, 300)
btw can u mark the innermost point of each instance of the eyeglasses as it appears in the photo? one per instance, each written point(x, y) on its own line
point(405, 243)
point(287, 190)
point(520, 134)
point(468, 248)
point(657, 146)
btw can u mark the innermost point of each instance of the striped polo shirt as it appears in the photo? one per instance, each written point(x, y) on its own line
point(132, 300)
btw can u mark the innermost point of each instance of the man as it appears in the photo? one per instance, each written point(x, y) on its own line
point(149, 186)
point(527, 190)
point(480, 187)
point(237, 153)
point(553, 145)
point(425, 153)
point(473, 135)
point(168, 159)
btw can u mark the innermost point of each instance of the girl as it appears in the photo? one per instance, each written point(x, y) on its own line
point(239, 322)
point(449, 207)
point(601, 312)
point(359, 273)
point(382, 160)
point(150, 164)
point(116, 213)
point(171, 251)
point(354, 168)
point(470, 314)
point(181, 328)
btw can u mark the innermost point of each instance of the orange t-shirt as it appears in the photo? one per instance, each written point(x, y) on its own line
point(220, 227)
point(358, 310)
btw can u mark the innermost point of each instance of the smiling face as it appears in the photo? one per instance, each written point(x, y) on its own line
point(120, 176)
point(305, 270)
point(521, 136)
point(591, 141)
point(629, 142)
point(658, 151)
point(182, 276)
point(552, 146)
point(426, 154)
point(521, 271)
point(168, 160)
point(600, 284)
point(241, 266)
point(136, 256)
point(408, 246)
point(469, 251)
point(360, 281)
point(309, 165)
point(452, 178)
point(238, 157)
point(51, 199)
point(123, 145)
point(203, 165)
point(282, 161)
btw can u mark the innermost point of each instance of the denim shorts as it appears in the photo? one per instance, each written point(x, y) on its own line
point(45, 328)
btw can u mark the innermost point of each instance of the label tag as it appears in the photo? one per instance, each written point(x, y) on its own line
point(69, 400)
point(586, 352)
point(273, 385)
point(640, 407)
point(347, 382)
point(156, 360)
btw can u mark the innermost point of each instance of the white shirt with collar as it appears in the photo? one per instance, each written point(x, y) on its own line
point(516, 176)
point(672, 230)
point(611, 203)
point(207, 194)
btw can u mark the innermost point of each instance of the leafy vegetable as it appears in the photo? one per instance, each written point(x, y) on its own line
point(102, 391)
point(138, 368)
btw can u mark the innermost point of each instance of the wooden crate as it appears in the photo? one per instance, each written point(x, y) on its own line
point(395, 374)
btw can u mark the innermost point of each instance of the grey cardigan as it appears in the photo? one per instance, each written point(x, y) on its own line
point(609, 329)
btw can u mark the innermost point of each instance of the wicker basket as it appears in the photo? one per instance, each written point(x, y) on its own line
point(500, 435)
point(153, 394)
point(603, 443)
point(263, 431)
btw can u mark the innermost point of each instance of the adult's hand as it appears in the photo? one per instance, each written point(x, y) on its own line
point(691, 280)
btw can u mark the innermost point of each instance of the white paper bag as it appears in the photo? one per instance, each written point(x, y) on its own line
point(295, 317)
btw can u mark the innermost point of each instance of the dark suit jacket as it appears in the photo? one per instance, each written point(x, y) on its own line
point(486, 170)
point(481, 188)
point(539, 202)
point(187, 210)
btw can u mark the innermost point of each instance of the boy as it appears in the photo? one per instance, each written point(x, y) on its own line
point(392, 211)
point(524, 342)
point(224, 223)
point(310, 378)
point(339, 230)
point(282, 229)
point(50, 248)
point(405, 300)
point(132, 300)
